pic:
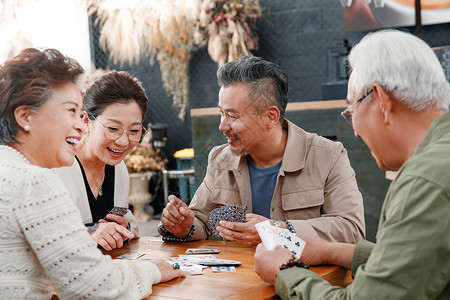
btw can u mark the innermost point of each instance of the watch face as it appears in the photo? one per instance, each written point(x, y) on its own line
point(277, 223)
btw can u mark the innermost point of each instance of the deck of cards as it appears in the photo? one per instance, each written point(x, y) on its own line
point(193, 264)
point(230, 213)
point(271, 236)
point(202, 251)
point(119, 211)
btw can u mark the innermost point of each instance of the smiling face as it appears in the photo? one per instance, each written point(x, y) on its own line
point(244, 129)
point(115, 116)
point(56, 128)
point(369, 126)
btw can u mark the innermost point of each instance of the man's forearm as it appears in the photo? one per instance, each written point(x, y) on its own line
point(339, 254)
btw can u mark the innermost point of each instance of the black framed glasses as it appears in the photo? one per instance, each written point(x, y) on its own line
point(113, 133)
point(347, 114)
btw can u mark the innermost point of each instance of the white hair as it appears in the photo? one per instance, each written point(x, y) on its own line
point(402, 64)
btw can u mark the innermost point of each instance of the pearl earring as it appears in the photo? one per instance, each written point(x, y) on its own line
point(26, 128)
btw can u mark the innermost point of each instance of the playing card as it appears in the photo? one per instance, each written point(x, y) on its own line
point(229, 213)
point(195, 256)
point(223, 269)
point(266, 233)
point(291, 241)
point(130, 255)
point(117, 210)
point(187, 265)
point(202, 251)
point(271, 236)
point(218, 262)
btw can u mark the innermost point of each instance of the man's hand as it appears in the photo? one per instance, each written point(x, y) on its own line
point(327, 253)
point(267, 263)
point(244, 233)
point(177, 217)
point(110, 235)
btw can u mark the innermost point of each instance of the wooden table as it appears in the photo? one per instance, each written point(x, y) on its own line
point(242, 284)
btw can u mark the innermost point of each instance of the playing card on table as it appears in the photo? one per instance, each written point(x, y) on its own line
point(271, 236)
point(117, 210)
point(218, 262)
point(202, 251)
point(130, 255)
point(223, 269)
point(187, 265)
point(229, 213)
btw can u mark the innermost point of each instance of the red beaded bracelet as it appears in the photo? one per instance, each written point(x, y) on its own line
point(294, 262)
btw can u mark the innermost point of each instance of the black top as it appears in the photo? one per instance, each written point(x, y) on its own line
point(105, 202)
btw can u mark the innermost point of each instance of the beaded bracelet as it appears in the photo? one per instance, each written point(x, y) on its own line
point(294, 262)
point(289, 226)
point(168, 236)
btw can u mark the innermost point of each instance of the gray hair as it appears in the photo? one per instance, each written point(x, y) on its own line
point(402, 64)
point(268, 84)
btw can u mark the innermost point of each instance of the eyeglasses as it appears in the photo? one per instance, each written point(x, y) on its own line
point(347, 114)
point(113, 133)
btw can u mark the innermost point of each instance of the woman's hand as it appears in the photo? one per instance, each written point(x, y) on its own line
point(167, 270)
point(115, 218)
point(110, 235)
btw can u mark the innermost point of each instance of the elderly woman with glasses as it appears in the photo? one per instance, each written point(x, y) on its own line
point(44, 246)
point(114, 106)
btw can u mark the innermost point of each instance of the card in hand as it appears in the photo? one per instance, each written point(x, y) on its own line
point(230, 213)
point(271, 236)
point(119, 211)
point(130, 255)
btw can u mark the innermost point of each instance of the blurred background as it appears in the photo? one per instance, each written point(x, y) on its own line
point(176, 46)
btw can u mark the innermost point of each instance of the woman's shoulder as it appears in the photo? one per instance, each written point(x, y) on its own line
point(34, 177)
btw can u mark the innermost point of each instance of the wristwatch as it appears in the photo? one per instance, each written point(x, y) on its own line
point(277, 223)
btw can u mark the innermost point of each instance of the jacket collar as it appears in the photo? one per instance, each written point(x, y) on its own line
point(294, 154)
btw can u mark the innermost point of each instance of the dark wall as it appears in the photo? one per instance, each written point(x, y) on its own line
point(307, 39)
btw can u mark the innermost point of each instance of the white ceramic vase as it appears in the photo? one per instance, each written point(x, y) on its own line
point(139, 195)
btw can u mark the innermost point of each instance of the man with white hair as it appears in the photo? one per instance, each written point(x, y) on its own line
point(398, 101)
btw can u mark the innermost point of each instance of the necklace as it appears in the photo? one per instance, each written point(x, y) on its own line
point(15, 150)
point(100, 186)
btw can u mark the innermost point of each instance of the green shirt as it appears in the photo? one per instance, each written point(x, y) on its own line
point(411, 259)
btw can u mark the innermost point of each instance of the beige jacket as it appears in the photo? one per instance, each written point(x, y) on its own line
point(316, 189)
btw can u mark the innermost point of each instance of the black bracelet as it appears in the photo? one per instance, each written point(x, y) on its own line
point(289, 226)
point(294, 262)
point(168, 236)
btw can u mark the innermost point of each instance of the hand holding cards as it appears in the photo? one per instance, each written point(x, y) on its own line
point(118, 211)
point(272, 236)
point(230, 213)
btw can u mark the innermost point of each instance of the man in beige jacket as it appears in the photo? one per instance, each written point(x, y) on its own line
point(298, 180)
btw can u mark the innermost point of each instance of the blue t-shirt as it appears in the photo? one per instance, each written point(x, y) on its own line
point(262, 181)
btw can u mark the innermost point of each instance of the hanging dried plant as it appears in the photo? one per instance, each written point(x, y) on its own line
point(170, 30)
point(226, 23)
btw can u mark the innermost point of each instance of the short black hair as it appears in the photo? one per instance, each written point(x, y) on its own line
point(268, 84)
point(114, 87)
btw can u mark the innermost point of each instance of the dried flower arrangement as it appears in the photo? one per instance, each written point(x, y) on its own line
point(227, 25)
point(144, 158)
point(170, 30)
